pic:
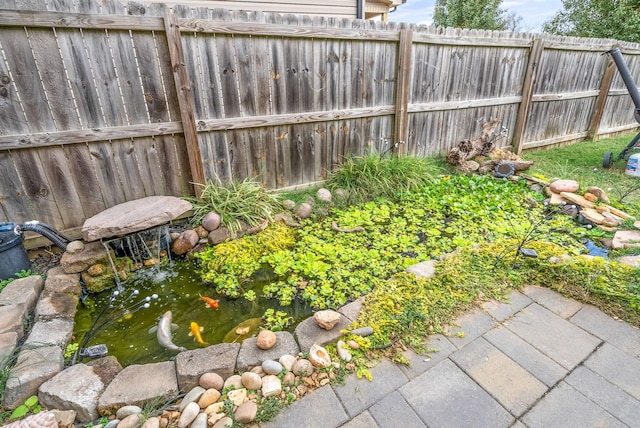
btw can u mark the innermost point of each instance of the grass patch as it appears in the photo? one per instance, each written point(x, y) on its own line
point(583, 162)
point(236, 202)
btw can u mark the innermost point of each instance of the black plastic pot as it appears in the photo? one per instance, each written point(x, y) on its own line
point(13, 256)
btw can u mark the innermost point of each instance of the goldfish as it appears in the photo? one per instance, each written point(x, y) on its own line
point(195, 332)
point(210, 303)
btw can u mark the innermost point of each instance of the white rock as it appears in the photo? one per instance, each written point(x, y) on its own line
point(200, 421)
point(319, 356)
point(188, 415)
point(343, 351)
point(233, 380)
point(215, 408)
point(302, 367)
point(237, 396)
point(192, 396)
point(287, 361)
point(271, 385)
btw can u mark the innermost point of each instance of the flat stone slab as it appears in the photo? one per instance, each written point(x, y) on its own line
point(220, 359)
point(605, 394)
point(309, 333)
point(55, 332)
point(500, 311)
point(359, 394)
point(469, 326)
point(138, 384)
point(424, 269)
point(553, 301)
point(22, 290)
point(352, 310)
point(535, 362)
point(446, 397)
point(320, 409)
point(625, 239)
point(618, 333)
point(514, 387)
point(438, 349)
point(393, 410)
point(565, 343)
point(250, 355)
point(91, 254)
point(12, 319)
point(76, 388)
point(33, 368)
point(134, 216)
point(617, 367)
point(566, 407)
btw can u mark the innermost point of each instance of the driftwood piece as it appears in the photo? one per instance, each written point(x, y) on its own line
point(467, 150)
point(335, 227)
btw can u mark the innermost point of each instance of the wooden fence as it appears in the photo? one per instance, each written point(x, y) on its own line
point(101, 103)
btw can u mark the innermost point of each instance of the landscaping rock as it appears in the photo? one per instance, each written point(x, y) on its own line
point(271, 386)
point(326, 319)
point(209, 397)
point(32, 369)
point(308, 332)
point(185, 242)
point(303, 210)
point(424, 269)
point(59, 281)
point(55, 332)
point(191, 365)
point(74, 247)
point(92, 253)
point(266, 339)
point(600, 194)
point(323, 195)
point(192, 396)
point(302, 367)
point(246, 412)
point(251, 380)
point(352, 310)
point(211, 221)
point(56, 305)
point(22, 291)
point(39, 420)
point(271, 367)
point(13, 318)
point(8, 342)
point(626, 239)
point(218, 236)
point(76, 388)
point(211, 380)
point(560, 186)
point(250, 355)
point(134, 216)
point(234, 380)
point(138, 384)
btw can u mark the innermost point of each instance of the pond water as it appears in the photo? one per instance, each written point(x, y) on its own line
point(178, 288)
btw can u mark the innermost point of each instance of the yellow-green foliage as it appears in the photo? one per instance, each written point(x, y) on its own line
point(230, 263)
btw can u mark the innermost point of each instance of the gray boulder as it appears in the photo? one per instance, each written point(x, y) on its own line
point(220, 359)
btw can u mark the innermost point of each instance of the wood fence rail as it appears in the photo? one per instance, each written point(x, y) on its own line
point(102, 102)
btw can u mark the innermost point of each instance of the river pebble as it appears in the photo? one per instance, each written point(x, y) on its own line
point(271, 367)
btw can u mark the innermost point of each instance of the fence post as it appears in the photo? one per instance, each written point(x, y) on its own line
point(183, 90)
point(527, 93)
point(605, 86)
point(403, 85)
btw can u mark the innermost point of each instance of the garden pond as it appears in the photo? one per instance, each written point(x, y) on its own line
point(130, 318)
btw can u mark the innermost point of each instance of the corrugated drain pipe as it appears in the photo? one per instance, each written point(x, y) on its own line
point(47, 231)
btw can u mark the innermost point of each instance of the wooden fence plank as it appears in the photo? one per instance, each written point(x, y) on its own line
point(184, 99)
point(527, 92)
point(403, 82)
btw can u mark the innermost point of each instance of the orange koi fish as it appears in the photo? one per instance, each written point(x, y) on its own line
point(195, 332)
point(210, 303)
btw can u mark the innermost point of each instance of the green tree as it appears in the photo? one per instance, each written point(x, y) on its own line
point(603, 19)
point(478, 14)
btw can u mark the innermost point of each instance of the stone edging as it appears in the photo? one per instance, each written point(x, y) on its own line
point(102, 386)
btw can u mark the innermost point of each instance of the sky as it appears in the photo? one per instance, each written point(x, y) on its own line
point(533, 12)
